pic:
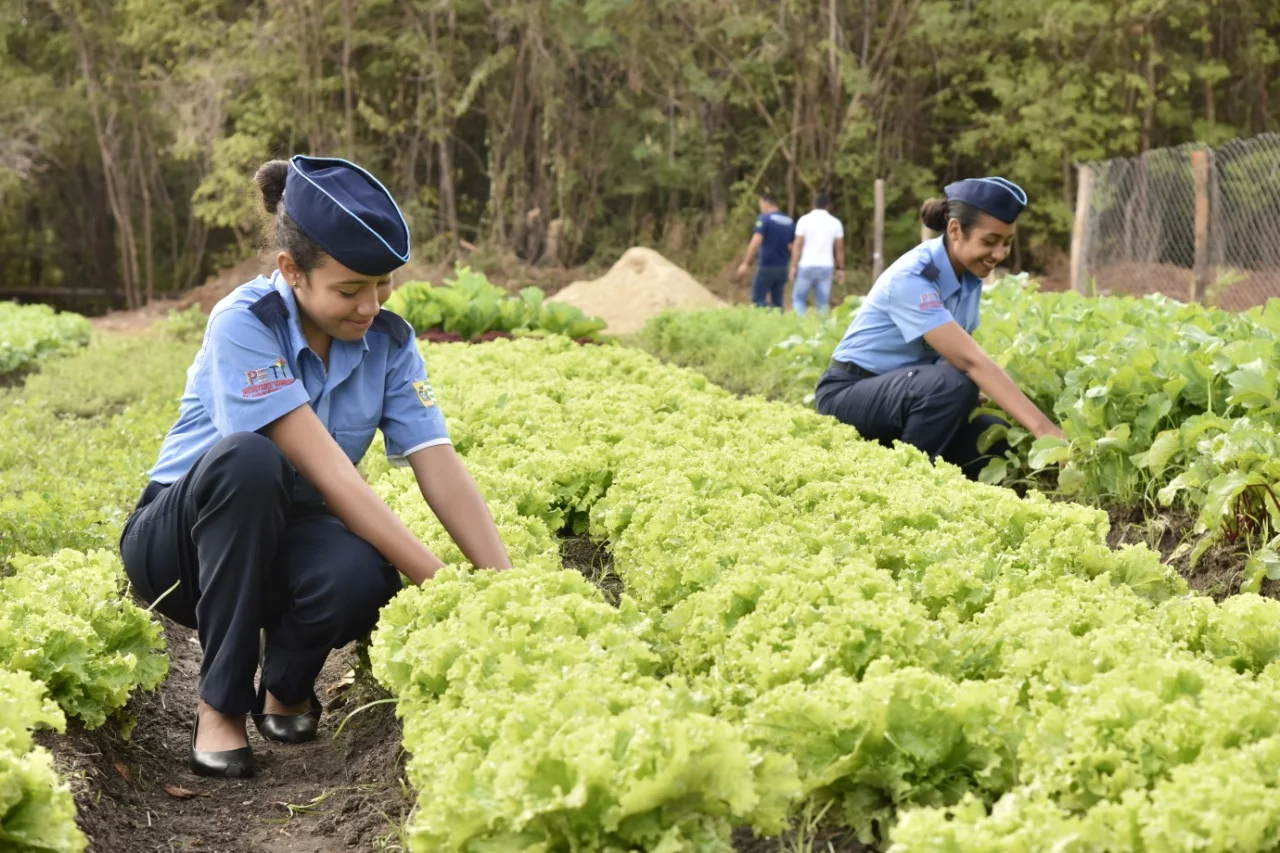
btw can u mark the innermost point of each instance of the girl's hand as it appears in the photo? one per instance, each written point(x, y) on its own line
point(1050, 429)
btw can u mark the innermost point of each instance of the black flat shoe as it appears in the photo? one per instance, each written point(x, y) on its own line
point(288, 728)
point(223, 764)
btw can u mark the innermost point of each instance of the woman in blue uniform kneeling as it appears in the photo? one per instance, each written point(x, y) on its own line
point(255, 515)
point(908, 367)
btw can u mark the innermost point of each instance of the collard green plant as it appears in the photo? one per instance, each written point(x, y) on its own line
point(469, 305)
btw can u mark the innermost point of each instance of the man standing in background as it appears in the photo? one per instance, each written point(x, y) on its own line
point(816, 256)
point(772, 239)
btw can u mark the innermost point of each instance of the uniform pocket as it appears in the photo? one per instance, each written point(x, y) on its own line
point(355, 441)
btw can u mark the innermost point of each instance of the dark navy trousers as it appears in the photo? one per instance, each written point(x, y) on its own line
point(768, 285)
point(247, 558)
point(926, 406)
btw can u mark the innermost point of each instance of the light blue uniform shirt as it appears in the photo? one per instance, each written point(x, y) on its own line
point(255, 366)
point(916, 295)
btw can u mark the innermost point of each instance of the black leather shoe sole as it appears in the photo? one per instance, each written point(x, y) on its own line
point(224, 764)
point(288, 728)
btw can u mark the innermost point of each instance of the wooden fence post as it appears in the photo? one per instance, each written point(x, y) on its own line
point(877, 253)
point(1080, 228)
point(1201, 162)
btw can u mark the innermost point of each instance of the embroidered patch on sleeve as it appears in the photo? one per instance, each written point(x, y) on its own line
point(426, 396)
point(267, 380)
point(930, 301)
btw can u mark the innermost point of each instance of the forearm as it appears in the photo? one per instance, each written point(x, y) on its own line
point(369, 517)
point(1004, 392)
point(454, 497)
point(312, 451)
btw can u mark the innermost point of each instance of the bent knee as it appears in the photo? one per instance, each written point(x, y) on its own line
point(948, 383)
point(248, 449)
point(363, 582)
point(250, 461)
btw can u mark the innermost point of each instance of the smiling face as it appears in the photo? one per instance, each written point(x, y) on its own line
point(983, 247)
point(335, 301)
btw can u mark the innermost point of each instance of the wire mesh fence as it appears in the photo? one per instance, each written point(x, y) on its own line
point(1142, 234)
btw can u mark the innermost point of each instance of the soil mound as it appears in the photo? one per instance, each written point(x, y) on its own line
point(641, 284)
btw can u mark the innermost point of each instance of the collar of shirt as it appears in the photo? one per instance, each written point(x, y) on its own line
point(344, 356)
point(947, 282)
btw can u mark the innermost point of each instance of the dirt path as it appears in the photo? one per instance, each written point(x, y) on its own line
point(328, 795)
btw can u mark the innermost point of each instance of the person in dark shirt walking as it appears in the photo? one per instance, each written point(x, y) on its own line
point(772, 239)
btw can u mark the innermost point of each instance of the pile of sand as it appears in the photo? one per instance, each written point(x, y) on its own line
point(641, 284)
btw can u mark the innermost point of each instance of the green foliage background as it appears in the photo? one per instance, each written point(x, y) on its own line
point(130, 128)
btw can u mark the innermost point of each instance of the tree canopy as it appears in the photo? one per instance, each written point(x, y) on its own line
point(564, 130)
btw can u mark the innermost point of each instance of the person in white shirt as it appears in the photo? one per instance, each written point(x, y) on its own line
point(817, 255)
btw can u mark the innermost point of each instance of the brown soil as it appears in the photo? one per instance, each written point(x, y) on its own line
point(1134, 279)
point(582, 554)
point(345, 793)
point(1218, 574)
point(823, 840)
point(131, 322)
point(641, 284)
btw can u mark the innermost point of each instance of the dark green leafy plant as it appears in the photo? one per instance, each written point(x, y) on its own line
point(469, 305)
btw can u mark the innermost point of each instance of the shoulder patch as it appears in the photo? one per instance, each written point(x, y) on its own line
point(930, 271)
point(393, 326)
point(270, 308)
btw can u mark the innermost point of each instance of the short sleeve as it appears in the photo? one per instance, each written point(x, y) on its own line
point(802, 226)
point(916, 307)
point(839, 230)
point(247, 381)
point(411, 418)
point(760, 223)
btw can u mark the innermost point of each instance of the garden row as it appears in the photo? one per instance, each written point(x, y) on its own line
point(468, 307)
point(811, 621)
point(30, 333)
point(1164, 405)
point(79, 437)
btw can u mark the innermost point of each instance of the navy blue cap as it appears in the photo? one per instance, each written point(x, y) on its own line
point(1002, 199)
point(348, 213)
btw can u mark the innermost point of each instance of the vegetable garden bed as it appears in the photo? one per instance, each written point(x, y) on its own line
point(816, 634)
point(1170, 410)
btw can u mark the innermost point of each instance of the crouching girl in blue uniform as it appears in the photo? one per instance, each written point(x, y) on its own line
point(255, 509)
point(908, 367)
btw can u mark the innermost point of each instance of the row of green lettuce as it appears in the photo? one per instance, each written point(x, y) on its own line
point(31, 333)
point(1163, 404)
point(79, 436)
point(811, 622)
point(469, 306)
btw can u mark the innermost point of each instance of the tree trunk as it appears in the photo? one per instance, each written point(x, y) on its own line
point(117, 191)
point(348, 87)
point(1149, 111)
point(1210, 108)
point(833, 72)
point(868, 27)
point(148, 244)
point(440, 131)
